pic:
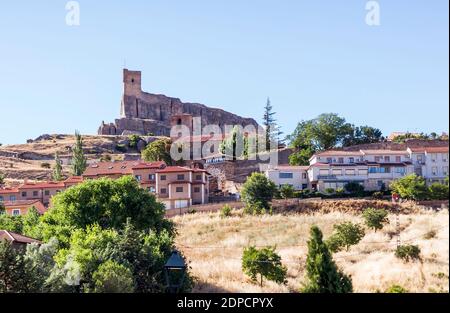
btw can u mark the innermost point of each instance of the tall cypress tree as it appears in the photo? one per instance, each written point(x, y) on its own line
point(273, 131)
point(57, 170)
point(322, 273)
point(79, 163)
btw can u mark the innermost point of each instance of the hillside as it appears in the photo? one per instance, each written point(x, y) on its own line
point(20, 161)
point(214, 245)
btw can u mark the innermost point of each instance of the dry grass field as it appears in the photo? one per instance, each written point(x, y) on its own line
point(214, 245)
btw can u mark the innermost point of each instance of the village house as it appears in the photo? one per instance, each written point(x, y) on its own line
point(17, 240)
point(22, 207)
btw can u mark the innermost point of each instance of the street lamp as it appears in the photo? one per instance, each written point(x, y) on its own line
point(174, 271)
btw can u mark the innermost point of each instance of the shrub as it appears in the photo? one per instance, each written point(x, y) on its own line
point(133, 140)
point(396, 289)
point(354, 188)
point(408, 252)
point(378, 195)
point(330, 191)
point(105, 158)
point(345, 235)
point(265, 262)
point(258, 191)
point(225, 211)
point(112, 277)
point(340, 192)
point(430, 234)
point(412, 187)
point(286, 191)
point(323, 276)
point(45, 165)
point(438, 191)
point(121, 148)
point(375, 218)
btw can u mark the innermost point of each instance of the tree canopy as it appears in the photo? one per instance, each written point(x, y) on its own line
point(158, 150)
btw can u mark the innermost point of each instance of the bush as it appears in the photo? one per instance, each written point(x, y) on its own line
point(133, 141)
point(410, 187)
point(408, 252)
point(45, 165)
point(438, 191)
point(345, 235)
point(111, 277)
point(121, 148)
point(105, 158)
point(354, 188)
point(375, 218)
point(225, 211)
point(286, 191)
point(396, 289)
point(258, 191)
point(340, 192)
point(430, 234)
point(330, 191)
point(378, 195)
point(264, 262)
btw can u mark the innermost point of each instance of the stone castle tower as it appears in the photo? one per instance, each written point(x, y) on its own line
point(145, 113)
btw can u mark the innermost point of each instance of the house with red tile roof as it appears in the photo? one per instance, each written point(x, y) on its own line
point(17, 240)
point(22, 207)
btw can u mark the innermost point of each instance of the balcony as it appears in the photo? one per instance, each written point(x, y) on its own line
point(325, 177)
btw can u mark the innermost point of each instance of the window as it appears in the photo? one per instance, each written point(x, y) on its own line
point(180, 177)
point(419, 158)
point(337, 172)
point(377, 159)
point(400, 170)
point(351, 160)
point(151, 177)
point(47, 192)
point(387, 158)
point(433, 157)
point(163, 190)
point(304, 186)
point(196, 189)
point(1, 198)
point(362, 172)
point(179, 189)
point(380, 183)
point(445, 157)
point(24, 194)
point(350, 172)
point(163, 177)
point(198, 177)
point(12, 198)
point(16, 212)
point(138, 177)
point(445, 170)
point(329, 160)
point(35, 193)
point(323, 172)
point(398, 158)
point(341, 160)
point(286, 175)
point(434, 170)
point(304, 175)
point(373, 170)
point(152, 189)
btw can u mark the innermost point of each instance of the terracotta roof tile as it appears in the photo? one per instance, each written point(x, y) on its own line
point(13, 237)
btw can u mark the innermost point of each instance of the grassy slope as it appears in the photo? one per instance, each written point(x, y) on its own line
point(214, 247)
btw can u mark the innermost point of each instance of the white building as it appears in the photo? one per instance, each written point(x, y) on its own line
point(374, 169)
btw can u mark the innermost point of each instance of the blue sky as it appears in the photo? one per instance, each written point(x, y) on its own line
point(309, 57)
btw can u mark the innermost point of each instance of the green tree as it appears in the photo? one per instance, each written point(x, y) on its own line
point(57, 170)
point(234, 145)
point(411, 187)
point(11, 223)
point(438, 191)
point(287, 191)
point(265, 262)
point(111, 277)
point(79, 162)
point(2, 178)
point(354, 188)
point(272, 130)
point(133, 140)
point(14, 276)
point(31, 223)
point(323, 276)
point(258, 191)
point(106, 202)
point(158, 150)
point(408, 252)
point(362, 135)
point(345, 235)
point(375, 218)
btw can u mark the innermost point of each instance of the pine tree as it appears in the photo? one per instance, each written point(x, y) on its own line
point(322, 273)
point(78, 160)
point(57, 170)
point(273, 131)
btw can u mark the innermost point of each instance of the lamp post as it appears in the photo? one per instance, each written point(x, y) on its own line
point(174, 271)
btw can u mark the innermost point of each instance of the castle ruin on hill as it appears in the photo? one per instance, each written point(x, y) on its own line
point(145, 113)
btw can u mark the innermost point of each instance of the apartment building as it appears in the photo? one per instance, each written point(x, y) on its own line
point(295, 176)
point(374, 169)
point(179, 187)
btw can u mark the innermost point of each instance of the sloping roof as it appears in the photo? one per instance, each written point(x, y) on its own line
point(430, 149)
point(290, 168)
point(13, 237)
point(41, 185)
point(74, 179)
point(338, 153)
point(26, 203)
point(122, 167)
point(175, 169)
point(384, 151)
point(8, 190)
